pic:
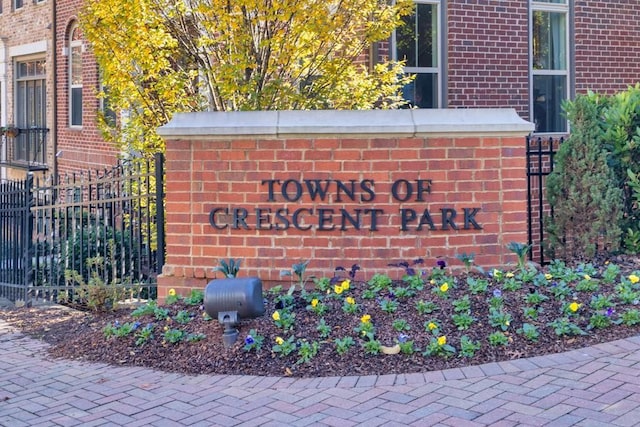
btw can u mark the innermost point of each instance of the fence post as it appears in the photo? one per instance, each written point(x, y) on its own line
point(159, 160)
point(27, 239)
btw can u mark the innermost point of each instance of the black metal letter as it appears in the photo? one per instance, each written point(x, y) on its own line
point(448, 215)
point(396, 195)
point(469, 218)
point(212, 218)
point(406, 215)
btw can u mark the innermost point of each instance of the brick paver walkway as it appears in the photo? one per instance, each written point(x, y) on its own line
point(595, 386)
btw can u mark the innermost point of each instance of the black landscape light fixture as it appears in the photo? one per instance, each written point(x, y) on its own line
point(232, 299)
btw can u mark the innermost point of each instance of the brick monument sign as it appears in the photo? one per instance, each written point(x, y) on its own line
point(341, 188)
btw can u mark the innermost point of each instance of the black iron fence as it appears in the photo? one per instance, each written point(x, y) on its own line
point(95, 230)
point(15, 229)
point(540, 153)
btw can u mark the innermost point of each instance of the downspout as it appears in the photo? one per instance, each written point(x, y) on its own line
point(54, 94)
point(3, 98)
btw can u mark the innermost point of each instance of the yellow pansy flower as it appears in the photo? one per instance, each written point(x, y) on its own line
point(432, 281)
point(634, 279)
point(574, 306)
point(365, 319)
point(509, 275)
point(314, 302)
point(276, 315)
point(548, 276)
point(432, 326)
point(444, 287)
point(587, 277)
point(346, 284)
point(338, 289)
point(279, 340)
point(350, 300)
point(442, 340)
point(172, 292)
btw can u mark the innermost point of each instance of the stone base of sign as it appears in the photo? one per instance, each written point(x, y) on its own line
point(339, 188)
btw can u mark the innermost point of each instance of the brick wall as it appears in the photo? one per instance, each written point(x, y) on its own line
point(79, 148)
point(488, 54)
point(471, 160)
point(607, 45)
point(26, 36)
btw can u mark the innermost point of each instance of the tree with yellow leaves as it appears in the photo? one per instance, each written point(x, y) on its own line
point(158, 57)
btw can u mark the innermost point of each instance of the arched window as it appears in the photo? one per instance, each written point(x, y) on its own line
point(75, 77)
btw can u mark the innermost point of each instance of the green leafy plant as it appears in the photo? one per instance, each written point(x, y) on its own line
point(229, 268)
point(284, 319)
point(462, 321)
point(477, 286)
point(317, 307)
point(438, 346)
point(631, 317)
point(401, 325)
point(380, 282)
point(599, 321)
point(389, 305)
point(307, 351)
point(426, 307)
point(531, 312)
point(350, 306)
point(299, 271)
point(535, 298)
point(323, 329)
point(183, 317)
point(498, 338)
point(145, 309)
point(499, 319)
point(468, 347)
point(144, 335)
point(530, 332)
point(611, 273)
point(253, 341)
point(195, 337)
point(343, 345)
point(372, 345)
point(284, 347)
point(466, 259)
point(161, 313)
point(196, 297)
point(462, 305)
point(601, 302)
point(563, 326)
point(173, 336)
point(587, 284)
point(521, 250)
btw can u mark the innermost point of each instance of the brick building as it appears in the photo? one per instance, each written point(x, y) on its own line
point(26, 85)
point(526, 54)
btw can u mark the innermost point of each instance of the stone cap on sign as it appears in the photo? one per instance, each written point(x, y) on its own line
point(346, 123)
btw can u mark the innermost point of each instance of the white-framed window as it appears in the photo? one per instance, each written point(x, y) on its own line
point(418, 42)
point(75, 77)
point(30, 109)
point(550, 64)
point(17, 4)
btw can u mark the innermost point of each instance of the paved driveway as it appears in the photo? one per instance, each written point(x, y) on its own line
point(595, 386)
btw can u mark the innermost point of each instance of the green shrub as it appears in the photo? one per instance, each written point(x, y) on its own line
point(582, 189)
point(622, 119)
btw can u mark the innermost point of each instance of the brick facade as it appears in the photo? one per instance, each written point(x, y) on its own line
point(25, 35)
point(227, 190)
point(79, 148)
point(607, 45)
point(488, 54)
